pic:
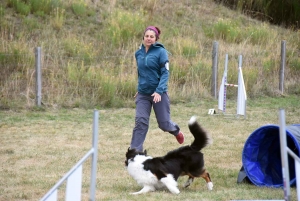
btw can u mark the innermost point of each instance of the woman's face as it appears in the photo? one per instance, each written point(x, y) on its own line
point(149, 38)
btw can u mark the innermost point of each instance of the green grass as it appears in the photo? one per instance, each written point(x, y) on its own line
point(39, 147)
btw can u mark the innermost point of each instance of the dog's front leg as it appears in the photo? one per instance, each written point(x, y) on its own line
point(171, 184)
point(146, 189)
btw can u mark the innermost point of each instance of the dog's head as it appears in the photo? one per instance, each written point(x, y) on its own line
point(131, 153)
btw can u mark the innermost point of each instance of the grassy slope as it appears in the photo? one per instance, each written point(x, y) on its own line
point(65, 36)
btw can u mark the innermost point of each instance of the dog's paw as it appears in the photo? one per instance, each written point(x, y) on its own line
point(210, 186)
point(188, 183)
point(135, 193)
point(175, 191)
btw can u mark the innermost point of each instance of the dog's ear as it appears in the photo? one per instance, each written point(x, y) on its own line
point(145, 152)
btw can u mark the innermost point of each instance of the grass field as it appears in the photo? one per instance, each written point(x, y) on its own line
point(39, 147)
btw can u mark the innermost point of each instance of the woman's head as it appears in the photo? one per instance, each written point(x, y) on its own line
point(151, 35)
point(151, 31)
point(154, 29)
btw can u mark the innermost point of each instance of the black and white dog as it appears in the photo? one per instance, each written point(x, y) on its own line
point(160, 172)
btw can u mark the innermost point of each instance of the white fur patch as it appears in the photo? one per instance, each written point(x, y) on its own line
point(148, 180)
point(210, 186)
point(170, 183)
point(192, 120)
point(136, 169)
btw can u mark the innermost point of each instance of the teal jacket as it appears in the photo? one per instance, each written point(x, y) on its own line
point(153, 73)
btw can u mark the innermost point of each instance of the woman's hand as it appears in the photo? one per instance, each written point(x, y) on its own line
point(156, 97)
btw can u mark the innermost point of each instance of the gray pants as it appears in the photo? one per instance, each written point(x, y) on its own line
point(144, 104)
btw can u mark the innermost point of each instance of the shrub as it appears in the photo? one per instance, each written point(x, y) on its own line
point(76, 48)
point(258, 35)
point(22, 8)
point(79, 8)
point(186, 47)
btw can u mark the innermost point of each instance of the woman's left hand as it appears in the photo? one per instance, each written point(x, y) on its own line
point(156, 97)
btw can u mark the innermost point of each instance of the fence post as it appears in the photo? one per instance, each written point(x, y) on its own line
point(282, 66)
point(38, 76)
point(214, 77)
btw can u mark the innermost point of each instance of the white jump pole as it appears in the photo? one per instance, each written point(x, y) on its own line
point(223, 88)
point(241, 97)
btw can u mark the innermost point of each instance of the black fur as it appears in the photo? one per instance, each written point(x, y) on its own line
point(186, 160)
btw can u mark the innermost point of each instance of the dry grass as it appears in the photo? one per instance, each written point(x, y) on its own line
point(39, 147)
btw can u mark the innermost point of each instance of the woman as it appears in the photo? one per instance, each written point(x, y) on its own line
point(153, 75)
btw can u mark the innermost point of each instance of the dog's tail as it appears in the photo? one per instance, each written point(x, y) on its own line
point(201, 136)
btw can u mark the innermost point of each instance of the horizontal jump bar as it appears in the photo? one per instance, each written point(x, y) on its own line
point(231, 85)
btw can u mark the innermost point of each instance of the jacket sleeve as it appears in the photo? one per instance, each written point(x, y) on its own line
point(164, 72)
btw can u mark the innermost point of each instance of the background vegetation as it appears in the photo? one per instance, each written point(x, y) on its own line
point(285, 13)
point(88, 50)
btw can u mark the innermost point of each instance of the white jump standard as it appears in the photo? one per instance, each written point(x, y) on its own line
point(241, 95)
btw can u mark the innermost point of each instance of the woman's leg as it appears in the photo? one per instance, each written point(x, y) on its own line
point(142, 114)
point(162, 113)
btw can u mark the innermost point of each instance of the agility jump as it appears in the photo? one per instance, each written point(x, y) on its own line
point(241, 95)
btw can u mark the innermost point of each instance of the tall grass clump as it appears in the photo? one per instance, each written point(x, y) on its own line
point(232, 31)
point(258, 34)
point(189, 77)
point(124, 27)
point(2, 11)
point(16, 77)
point(76, 48)
point(227, 30)
point(42, 7)
point(185, 46)
point(295, 64)
point(15, 61)
point(39, 7)
point(20, 6)
point(57, 19)
point(79, 8)
point(96, 86)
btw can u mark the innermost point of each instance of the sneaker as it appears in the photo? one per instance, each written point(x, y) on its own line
point(180, 137)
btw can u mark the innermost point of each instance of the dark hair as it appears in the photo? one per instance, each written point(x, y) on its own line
point(155, 29)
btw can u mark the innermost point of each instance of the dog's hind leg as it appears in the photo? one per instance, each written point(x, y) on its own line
point(188, 182)
point(146, 189)
point(170, 183)
point(206, 177)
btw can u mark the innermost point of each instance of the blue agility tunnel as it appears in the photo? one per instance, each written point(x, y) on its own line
point(261, 156)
